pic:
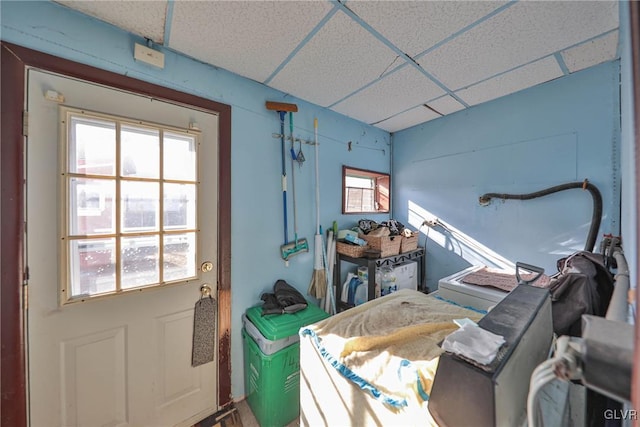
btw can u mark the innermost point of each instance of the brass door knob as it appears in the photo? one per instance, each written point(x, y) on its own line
point(205, 291)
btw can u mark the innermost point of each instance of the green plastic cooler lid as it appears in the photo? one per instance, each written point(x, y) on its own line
point(278, 326)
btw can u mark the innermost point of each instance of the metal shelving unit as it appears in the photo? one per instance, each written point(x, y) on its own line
point(372, 264)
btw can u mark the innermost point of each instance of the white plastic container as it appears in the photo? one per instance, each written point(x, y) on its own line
point(267, 346)
point(406, 275)
point(388, 281)
point(363, 274)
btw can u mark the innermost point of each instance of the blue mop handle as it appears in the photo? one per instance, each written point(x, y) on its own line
point(284, 175)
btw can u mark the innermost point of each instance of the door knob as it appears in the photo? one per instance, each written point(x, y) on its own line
point(205, 291)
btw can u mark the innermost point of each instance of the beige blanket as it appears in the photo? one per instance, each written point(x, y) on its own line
point(392, 342)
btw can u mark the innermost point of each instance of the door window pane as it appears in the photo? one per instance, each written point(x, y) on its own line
point(179, 157)
point(139, 152)
point(139, 205)
point(179, 256)
point(130, 191)
point(139, 261)
point(92, 146)
point(179, 206)
point(92, 266)
point(92, 206)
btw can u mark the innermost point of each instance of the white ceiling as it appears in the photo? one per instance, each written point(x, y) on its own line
point(393, 64)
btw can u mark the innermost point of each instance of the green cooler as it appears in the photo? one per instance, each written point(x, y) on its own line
point(272, 363)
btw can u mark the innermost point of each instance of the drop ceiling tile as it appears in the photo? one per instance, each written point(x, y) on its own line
point(392, 94)
point(518, 35)
point(414, 26)
point(407, 119)
point(529, 75)
point(249, 38)
point(144, 18)
point(445, 105)
point(591, 53)
point(341, 58)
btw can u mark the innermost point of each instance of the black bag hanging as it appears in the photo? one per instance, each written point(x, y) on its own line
point(583, 286)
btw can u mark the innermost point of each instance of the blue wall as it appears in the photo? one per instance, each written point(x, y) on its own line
point(629, 214)
point(562, 131)
point(256, 190)
point(565, 130)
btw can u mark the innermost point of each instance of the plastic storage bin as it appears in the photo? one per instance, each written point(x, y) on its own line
point(272, 363)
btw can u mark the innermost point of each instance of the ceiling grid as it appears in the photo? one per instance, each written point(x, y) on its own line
point(409, 60)
point(302, 43)
point(381, 62)
point(167, 22)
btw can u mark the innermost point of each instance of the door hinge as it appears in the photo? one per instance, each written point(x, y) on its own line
point(25, 123)
point(25, 297)
point(25, 288)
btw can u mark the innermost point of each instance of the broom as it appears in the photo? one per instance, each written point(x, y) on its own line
point(318, 284)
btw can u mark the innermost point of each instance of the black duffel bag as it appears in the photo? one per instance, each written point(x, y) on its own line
point(284, 299)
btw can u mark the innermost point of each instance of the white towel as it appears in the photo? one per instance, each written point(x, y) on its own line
point(474, 343)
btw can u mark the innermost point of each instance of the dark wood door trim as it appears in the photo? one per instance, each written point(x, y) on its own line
point(12, 354)
point(15, 60)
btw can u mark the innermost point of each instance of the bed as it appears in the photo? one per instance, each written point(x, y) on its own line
point(375, 363)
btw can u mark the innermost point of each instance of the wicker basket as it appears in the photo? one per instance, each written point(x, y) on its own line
point(354, 251)
point(409, 244)
point(388, 245)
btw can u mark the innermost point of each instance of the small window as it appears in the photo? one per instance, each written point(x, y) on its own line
point(130, 191)
point(365, 191)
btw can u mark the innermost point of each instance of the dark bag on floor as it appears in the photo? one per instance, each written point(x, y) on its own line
point(284, 299)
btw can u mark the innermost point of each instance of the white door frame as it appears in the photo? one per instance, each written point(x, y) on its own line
point(16, 60)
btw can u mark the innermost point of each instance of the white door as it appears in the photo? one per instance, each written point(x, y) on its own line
point(121, 215)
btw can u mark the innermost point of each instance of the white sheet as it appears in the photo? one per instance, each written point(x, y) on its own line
point(390, 345)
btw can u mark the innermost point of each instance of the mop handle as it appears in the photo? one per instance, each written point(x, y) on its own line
point(293, 182)
point(284, 175)
point(315, 134)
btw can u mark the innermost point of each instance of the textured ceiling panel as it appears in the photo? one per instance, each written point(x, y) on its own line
point(591, 53)
point(255, 38)
point(445, 105)
point(520, 34)
point(396, 92)
point(144, 18)
point(246, 37)
point(341, 58)
point(415, 26)
point(530, 75)
point(407, 119)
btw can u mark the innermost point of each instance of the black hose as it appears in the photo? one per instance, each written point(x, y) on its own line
point(596, 216)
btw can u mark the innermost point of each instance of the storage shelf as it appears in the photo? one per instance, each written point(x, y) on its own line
point(372, 264)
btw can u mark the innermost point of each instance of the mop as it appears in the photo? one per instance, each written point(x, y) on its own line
point(298, 245)
point(287, 249)
point(318, 284)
